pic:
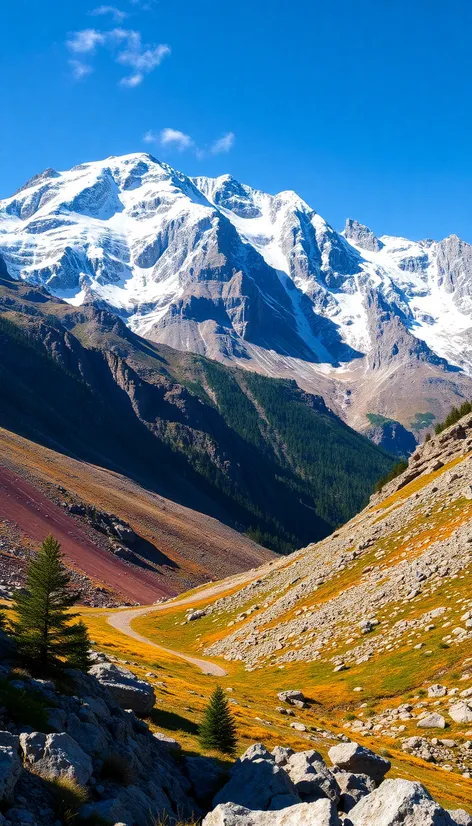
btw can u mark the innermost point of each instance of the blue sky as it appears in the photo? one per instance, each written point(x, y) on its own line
point(364, 108)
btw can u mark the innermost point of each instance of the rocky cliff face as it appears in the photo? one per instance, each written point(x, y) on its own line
point(218, 268)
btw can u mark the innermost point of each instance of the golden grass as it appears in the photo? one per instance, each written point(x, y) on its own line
point(182, 693)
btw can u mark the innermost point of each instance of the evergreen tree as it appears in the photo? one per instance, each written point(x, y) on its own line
point(218, 730)
point(45, 633)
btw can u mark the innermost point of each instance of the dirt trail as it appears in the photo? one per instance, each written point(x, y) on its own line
point(122, 620)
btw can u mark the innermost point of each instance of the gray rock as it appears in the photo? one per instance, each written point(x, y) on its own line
point(258, 783)
point(311, 776)
point(56, 755)
point(167, 741)
point(294, 697)
point(353, 788)
point(399, 803)
point(433, 720)
point(281, 755)
point(437, 690)
point(319, 813)
point(92, 738)
point(461, 712)
point(194, 615)
point(361, 235)
point(127, 690)
point(359, 760)
point(206, 776)
point(10, 766)
point(460, 817)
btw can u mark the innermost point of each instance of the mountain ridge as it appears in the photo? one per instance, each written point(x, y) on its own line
point(216, 267)
point(259, 454)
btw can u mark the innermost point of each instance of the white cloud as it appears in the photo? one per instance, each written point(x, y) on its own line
point(79, 69)
point(86, 40)
point(180, 141)
point(117, 15)
point(176, 138)
point(143, 59)
point(132, 80)
point(150, 137)
point(223, 144)
point(126, 47)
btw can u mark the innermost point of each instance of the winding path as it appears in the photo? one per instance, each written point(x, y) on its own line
point(121, 620)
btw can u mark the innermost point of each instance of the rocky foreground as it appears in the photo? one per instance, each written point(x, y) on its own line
point(287, 788)
point(122, 773)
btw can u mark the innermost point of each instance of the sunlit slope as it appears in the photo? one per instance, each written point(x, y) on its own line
point(364, 623)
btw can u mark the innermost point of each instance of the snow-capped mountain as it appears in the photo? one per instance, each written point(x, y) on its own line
point(378, 325)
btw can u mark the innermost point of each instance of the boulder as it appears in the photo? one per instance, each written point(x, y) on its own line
point(125, 687)
point(359, 760)
point(319, 813)
point(206, 776)
point(10, 764)
point(282, 754)
point(194, 615)
point(311, 776)
point(56, 755)
point(399, 803)
point(91, 737)
point(353, 787)
point(256, 782)
point(167, 741)
point(437, 690)
point(433, 720)
point(294, 697)
point(461, 712)
point(460, 817)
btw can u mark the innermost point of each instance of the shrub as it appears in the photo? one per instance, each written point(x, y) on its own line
point(24, 706)
point(117, 768)
point(398, 468)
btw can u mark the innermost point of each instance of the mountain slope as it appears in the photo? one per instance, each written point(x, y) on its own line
point(373, 625)
point(212, 266)
point(260, 455)
point(173, 547)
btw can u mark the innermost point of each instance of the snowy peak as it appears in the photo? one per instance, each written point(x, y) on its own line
point(362, 236)
point(215, 266)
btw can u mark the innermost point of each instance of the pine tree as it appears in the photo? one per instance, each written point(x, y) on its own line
point(218, 729)
point(46, 636)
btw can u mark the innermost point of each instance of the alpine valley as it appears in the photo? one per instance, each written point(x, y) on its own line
point(379, 327)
